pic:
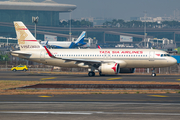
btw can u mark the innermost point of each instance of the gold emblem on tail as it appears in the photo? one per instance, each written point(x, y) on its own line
point(21, 33)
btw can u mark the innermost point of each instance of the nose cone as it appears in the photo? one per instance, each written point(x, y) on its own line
point(173, 61)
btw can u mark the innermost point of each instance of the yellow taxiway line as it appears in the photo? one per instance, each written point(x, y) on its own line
point(114, 78)
point(45, 96)
point(157, 95)
point(48, 78)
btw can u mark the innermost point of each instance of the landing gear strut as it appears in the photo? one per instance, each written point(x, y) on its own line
point(91, 73)
point(153, 73)
point(100, 74)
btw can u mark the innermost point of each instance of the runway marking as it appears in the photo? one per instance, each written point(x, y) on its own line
point(44, 112)
point(45, 96)
point(158, 95)
point(114, 78)
point(48, 78)
point(86, 113)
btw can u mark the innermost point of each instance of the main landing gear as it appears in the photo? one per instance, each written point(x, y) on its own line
point(153, 73)
point(91, 73)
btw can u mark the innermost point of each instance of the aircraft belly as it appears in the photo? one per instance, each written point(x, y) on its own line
point(146, 63)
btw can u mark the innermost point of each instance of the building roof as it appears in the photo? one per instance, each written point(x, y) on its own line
point(48, 5)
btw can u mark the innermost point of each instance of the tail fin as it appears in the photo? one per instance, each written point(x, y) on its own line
point(26, 40)
point(81, 38)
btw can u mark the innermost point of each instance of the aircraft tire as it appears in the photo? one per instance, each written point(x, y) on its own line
point(90, 74)
point(153, 74)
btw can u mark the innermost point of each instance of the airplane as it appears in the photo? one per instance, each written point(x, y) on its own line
point(106, 61)
point(64, 44)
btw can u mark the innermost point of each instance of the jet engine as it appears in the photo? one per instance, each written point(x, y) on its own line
point(109, 68)
point(127, 70)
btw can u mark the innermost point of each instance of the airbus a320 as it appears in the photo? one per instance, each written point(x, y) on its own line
point(106, 61)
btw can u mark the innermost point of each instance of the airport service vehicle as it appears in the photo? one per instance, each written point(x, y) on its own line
point(19, 68)
point(106, 61)
point(62, 44)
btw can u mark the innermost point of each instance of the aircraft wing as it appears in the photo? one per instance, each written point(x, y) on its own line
point(74, 59)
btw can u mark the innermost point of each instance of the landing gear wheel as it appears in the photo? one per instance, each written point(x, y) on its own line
point(90, 74)
point(153, 74)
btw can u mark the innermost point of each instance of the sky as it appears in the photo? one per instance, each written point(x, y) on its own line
point(120, 9)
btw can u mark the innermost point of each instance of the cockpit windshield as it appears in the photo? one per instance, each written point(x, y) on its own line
point(165, 55)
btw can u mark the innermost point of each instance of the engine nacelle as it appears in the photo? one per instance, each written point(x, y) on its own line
point(109, 68)
point(127, 70)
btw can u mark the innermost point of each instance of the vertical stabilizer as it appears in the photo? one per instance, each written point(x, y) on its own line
point(26, 40)
point(81, 38)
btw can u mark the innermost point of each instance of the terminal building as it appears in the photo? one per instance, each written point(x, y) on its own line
point(47, 11)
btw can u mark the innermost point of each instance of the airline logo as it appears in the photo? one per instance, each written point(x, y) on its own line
point(114, 68)
point(20, 32)
point(29, 46)
point(158, 54)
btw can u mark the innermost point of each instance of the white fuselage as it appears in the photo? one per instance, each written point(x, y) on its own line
point(127, 58)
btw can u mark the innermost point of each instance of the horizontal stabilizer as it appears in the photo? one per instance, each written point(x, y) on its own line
point(21, 53)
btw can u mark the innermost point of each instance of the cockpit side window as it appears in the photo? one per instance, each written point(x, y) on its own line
point(165, 55)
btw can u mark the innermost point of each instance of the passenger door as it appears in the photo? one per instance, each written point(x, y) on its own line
point(151, 56)
point(42, 56)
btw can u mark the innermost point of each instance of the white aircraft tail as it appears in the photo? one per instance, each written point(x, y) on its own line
point(26, 40)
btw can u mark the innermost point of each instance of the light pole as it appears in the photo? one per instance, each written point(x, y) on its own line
point(70, 27)
point(145, 30)
point(35, 20)
point(7, 43)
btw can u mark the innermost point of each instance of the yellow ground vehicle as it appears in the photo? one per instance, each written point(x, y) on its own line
point(19, 68)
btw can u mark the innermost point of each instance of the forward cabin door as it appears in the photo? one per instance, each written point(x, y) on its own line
point(151, 56)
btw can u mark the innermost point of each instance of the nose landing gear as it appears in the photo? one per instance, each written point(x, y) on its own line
point(153, 73)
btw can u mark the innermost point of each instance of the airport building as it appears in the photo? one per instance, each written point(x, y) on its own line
point(49, 14)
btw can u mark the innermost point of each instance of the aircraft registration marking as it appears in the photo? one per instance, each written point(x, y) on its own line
point(114, 78)
point(48, 78)
point(157, 95)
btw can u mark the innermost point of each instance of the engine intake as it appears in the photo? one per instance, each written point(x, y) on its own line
point(109, 68)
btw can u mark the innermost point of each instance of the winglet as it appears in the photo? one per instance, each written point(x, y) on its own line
point(49, 53)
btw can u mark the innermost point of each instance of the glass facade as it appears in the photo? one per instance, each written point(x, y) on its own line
point(46, 18)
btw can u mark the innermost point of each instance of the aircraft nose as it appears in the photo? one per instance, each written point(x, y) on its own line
point(173, 61)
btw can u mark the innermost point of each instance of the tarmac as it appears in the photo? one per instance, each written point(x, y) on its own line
point(91, 106)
